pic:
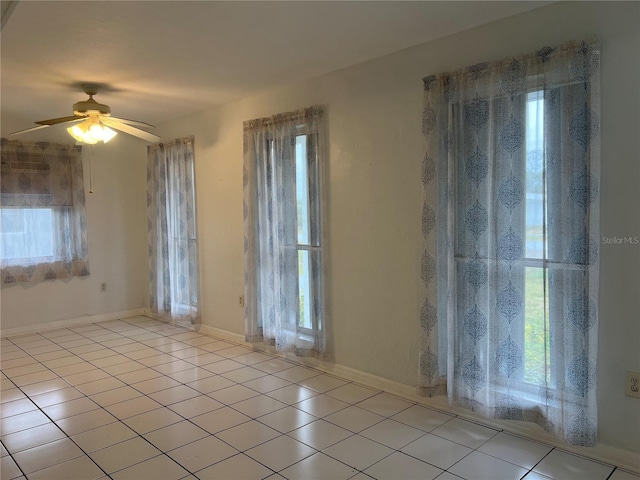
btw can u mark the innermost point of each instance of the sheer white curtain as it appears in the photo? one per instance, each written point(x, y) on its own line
point(42, 217)
point(173, 247)
point(511, 238)
point(283, 173)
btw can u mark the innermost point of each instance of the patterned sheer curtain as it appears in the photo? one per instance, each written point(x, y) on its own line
point(283, 165)
point(171, 215)
point(511, 231)
point(43, 220)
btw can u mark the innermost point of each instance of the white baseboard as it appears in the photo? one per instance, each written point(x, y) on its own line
point(624, 459)
point(85, 320)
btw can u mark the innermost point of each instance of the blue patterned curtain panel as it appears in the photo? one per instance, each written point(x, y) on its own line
point(174, 281)
point(283, 243)
point(43, 225)
point(510, 221)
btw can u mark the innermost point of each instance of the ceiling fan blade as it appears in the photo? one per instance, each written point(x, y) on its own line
point(137, 123)
point(55, 121)
point(136, 132)
point(20, 132)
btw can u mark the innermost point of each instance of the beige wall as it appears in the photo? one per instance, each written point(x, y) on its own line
point(116, 222)
point(373, 185)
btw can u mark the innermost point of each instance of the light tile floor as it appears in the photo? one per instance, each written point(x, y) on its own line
point(140, 399)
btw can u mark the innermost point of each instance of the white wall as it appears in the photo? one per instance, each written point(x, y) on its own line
point(373, 184)
point(116, 223)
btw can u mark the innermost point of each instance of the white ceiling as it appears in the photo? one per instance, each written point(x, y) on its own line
point(160, 60)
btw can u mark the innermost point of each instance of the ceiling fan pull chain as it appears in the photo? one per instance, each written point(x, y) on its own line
point(91, 169)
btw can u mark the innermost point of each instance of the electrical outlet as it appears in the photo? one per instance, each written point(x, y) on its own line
point(103, 287)
point(632, 384)
point(241, 301)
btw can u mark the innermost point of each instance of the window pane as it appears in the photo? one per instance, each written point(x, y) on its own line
point(304, 289)
point(535, 208)
point(27, 233)
point(536, 329)
point(302, 190)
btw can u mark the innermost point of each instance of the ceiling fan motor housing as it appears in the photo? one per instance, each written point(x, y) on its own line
point(91, 107)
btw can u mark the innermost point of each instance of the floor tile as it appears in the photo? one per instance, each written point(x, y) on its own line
point(321, 405)
point(233, 394)
point(70, 408)
point(559, 464)
point(253, 358)
point(211, 384)
point(354, 419)
point(153, 420)
point(56, 396)
point(219, 420)
point(111, 361)
point(358, 452)
point(44, 387)
point(191, 375)
point(247, 435)
point(173, 367)
point(266, 383)
point(155, 384)
point(87, 376)
point(155, 360)
point(202, 453)
point(319, 467)
point(292, 394)
point(297, 374)
point(423, 418)
point(160, 467)
point(123, 367)
point(132, 407)
point(244, 374)
point(286, 419)
point(622, 475)
point(9, 468)
point(47, 455)
point(392, 434)
point(437, 451)
point(398, 465)
point(517, 450)
point(466, 433)
point(175, 436)
point(32, 437)
point(204, 359)
point(77, 468)
point(115, 395)
point(103, 437)
point(234, 351)
point(32, 378)
point(138, 376)
point(280, 453)
point(479, 466)
point(258, 406)
point(15, 407)
point(23, 370)
point(385, 404)
point(86, 421)
point(195, 406)
point(273, 365)
point(11, 394)
point(99, 386)
point(322, 383)
point(320, 434)
point(238, 467)
point(124, 454)
point(22, 421)
point(174, 395)
point(223, 366)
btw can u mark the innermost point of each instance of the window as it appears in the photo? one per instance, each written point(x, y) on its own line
point(42, 218)
point(511, 234)
point(283, 242)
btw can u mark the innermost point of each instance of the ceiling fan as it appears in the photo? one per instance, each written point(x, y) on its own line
point(93, 121)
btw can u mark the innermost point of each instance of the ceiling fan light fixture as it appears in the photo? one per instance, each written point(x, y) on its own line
point(91, 131)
